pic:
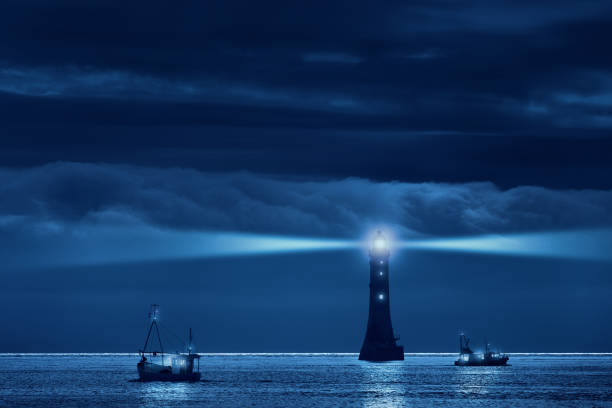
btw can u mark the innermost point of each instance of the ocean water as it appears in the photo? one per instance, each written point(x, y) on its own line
point(308, 380)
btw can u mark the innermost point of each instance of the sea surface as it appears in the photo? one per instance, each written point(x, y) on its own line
point(309, 380)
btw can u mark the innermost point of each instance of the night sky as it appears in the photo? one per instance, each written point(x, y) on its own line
point(132, 133)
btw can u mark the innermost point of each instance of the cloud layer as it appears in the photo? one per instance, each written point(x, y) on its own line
point(182, 199)
point(515, 93)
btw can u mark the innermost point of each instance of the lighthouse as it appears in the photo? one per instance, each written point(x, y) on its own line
point(380, 341)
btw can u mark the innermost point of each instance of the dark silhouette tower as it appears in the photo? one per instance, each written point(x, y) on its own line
point(380, 341)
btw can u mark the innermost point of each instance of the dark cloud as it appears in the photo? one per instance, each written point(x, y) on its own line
point(239, 45)
point(513, 92)
point(186, 199)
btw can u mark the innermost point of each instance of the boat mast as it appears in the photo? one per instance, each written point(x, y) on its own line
point(154, 316)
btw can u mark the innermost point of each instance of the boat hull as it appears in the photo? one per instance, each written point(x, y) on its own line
point(154, 372)
point(475, 363)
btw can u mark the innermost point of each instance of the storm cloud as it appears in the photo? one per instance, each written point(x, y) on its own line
point(186, 199)
point(463, 91)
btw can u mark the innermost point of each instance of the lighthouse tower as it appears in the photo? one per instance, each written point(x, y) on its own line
point(380, 342)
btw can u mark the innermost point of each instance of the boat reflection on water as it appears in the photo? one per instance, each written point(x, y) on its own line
point(155, 365)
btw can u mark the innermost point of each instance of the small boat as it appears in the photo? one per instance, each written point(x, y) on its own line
point(156, 365)
point(468, 358)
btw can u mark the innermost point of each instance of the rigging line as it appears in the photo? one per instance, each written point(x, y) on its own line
point(180, 322)
point(144, 348)
point(159, 338)
point(167, 329)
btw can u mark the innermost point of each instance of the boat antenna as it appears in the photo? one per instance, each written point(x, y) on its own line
point(190, 341)
point(154, 317)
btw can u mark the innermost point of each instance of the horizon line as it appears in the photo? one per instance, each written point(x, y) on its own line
point(6, 354)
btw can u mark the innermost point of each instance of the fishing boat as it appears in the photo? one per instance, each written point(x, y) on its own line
point(157, 365)
point(468, 358)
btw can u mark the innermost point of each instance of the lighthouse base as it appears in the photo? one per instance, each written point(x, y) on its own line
point(381, 352)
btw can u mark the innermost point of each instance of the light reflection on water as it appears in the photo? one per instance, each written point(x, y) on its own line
point(382, 384)
point(475, 381)
point(155, 394)
point(295, 380)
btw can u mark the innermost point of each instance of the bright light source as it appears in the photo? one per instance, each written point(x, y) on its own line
point(380, 243)
point(381, 296)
